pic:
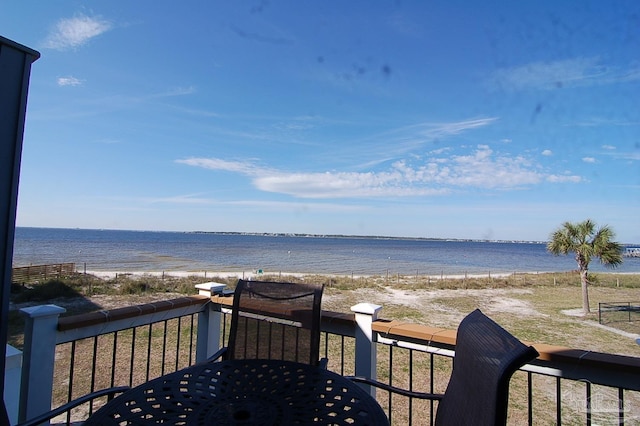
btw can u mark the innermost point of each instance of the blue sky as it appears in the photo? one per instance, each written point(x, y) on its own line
point(448, 119)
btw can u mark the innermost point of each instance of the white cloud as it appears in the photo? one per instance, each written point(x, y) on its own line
point(564, 73)
point(609, 147)
point(75, 32)
point(341, 185)
point(547, 153)
point(564, 178)
point(482, 169)
point(69, 81)
point(588, 159)
point(218, 164)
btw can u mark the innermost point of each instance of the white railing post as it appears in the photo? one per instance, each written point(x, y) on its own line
point(41, 323)
point(13, 366)
point(209, 323)
point(366, 349)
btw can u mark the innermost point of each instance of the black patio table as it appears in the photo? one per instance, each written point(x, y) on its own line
point(244, 392)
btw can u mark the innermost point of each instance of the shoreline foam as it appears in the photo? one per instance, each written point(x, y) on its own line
point(257, 274)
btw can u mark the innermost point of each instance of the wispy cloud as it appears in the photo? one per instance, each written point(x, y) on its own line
point(410, 139)
point(181, 199)
point(632, 156)
point(566, 178)
point(200, 199)
point(175, 91)
point(69, 81)
point(243, 167)
point(559, 74)
point(547, 153)
point(588, 159)
point(432, 131)
point(437, 175)
point(69, 33)
point(263, 38)
point(597, 122)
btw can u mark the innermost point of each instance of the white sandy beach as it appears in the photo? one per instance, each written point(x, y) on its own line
point(257, 274)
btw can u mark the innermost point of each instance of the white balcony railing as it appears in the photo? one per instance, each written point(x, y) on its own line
point(563, 385)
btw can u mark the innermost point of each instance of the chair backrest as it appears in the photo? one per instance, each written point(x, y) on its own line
point(486, 357)
point(275, 320)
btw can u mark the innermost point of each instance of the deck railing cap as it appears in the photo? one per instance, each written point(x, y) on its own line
point(43, 311)
point(366, 308)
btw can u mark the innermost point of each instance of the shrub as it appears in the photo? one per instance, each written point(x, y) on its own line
point(48, 290)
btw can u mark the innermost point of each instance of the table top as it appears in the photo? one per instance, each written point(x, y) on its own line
point(245, 392)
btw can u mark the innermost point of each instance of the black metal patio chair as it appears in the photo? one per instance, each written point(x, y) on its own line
point(486, 356)
point(45, 417)
point(275, 320)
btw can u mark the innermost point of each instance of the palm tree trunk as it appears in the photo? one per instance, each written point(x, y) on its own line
point(585, 290)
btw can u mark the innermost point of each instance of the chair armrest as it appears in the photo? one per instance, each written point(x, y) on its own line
point(219, 354)
point(72, 404)
point(323, 363)
point(394, 389)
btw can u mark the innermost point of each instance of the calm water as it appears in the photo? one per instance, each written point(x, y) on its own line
point(165, 251)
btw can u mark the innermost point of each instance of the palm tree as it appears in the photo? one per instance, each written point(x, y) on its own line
point(586, 242)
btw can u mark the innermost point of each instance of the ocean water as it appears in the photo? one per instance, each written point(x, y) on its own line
point(110, 250)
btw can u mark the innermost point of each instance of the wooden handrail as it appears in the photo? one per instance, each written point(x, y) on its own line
point(551, 353)
point(95, 318)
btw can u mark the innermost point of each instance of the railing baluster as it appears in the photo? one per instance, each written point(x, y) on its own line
point(621, 406)
point(297, 330)
point(71, 372)
point(530, 397)
point(589, 406)
point(179, 332)
point(269, 345)
point(326, 345)
point(390, 381)
point(431, 387)
point(164, 348)
point(558, 402)
point(113, 358)
point(224, 329)
point(191, 334)
point(342, 355)
point(410, 385)
point(94, 363)
point(245, 334)
point(149, 352)
point(133, 353)
point(259, 326)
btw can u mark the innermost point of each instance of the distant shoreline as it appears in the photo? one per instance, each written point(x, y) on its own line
point(307, 235)
point(344, 236)
point(368, 237)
